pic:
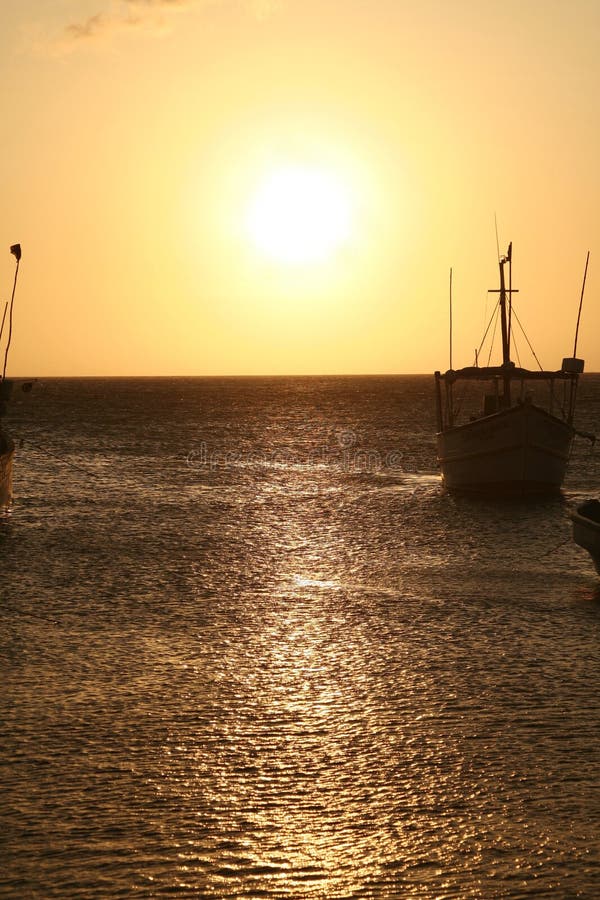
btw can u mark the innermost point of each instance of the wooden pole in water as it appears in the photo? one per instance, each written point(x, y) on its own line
point(580, 304)
point(450, 316)
point(16, 252)
point(509, 293)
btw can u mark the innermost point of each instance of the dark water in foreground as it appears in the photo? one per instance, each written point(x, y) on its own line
point(251, 649)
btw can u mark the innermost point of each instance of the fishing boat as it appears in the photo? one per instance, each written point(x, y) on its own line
point(505, 429)
point(7, 445)
point(586, 529)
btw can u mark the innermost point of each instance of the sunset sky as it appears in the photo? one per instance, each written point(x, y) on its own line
point(281, 186)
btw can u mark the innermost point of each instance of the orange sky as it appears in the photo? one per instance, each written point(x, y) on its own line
point(136, 134)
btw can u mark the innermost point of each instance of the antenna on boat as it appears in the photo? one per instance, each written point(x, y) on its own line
point(16, 252)
point(580, 304)
point(497, 241)
point(450, 317)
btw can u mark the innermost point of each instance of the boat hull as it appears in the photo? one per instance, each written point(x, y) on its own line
point(521, 450)
point(6, 470)
point(586, 531)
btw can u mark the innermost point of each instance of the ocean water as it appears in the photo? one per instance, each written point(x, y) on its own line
point(251, 649)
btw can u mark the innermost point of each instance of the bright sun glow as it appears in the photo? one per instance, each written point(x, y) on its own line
point(300, 215)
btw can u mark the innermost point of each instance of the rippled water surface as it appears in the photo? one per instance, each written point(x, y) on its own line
point(250, 648)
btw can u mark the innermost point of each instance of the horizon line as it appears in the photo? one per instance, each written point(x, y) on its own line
point(248, 375)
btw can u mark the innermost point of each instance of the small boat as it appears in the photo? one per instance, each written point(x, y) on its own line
point(7, 445)
point(515, 436)
point(586, 529)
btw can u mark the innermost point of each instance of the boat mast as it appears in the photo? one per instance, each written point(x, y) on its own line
point(504, 323)
point(503, 315)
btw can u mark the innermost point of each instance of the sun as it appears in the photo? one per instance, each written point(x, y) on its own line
point(300, 215)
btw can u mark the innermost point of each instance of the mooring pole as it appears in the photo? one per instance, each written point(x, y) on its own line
point(451, 317)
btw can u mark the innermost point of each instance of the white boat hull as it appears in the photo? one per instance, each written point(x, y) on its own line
point(6, 469)
point(520, 450)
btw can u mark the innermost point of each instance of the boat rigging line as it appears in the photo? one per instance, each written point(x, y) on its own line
point(514, 343)
point(493, 316)
point(493, 333)
point(528, 341)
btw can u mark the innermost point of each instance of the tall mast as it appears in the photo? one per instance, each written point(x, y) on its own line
point(503, 316)
point(505, 324)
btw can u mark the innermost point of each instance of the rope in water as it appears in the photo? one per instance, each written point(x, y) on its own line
point(65, 462)
point(558, 546)
point(24, 612)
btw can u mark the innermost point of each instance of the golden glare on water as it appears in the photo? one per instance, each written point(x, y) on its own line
point(300, 215)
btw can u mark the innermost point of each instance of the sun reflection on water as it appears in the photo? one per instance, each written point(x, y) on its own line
point(309, 746)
